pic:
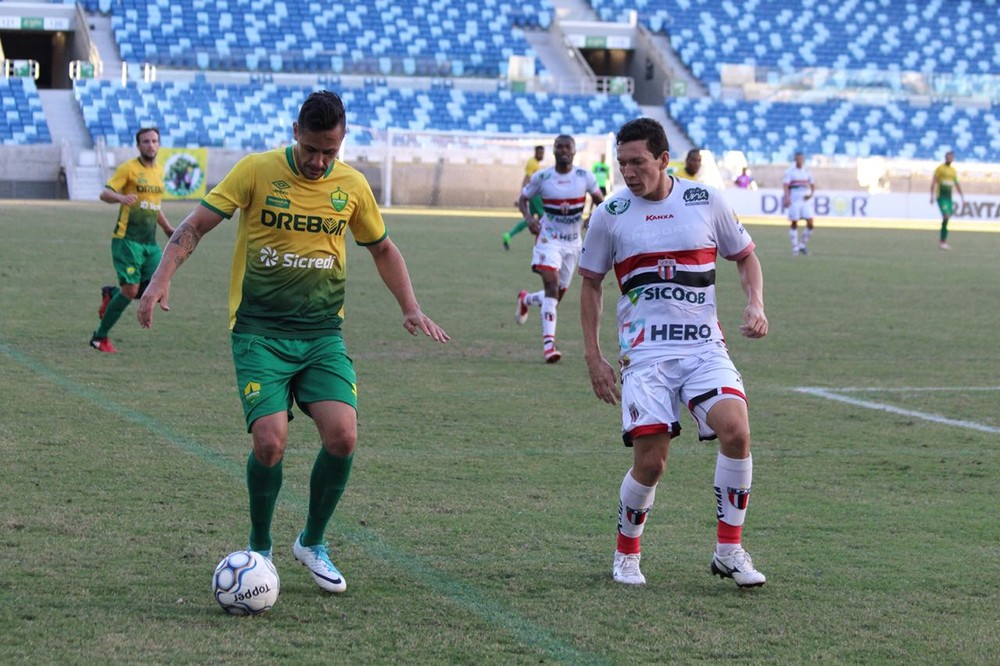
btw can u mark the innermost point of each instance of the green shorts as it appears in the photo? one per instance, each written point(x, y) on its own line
point(134, 262)
point(946, 205)
point(272, 372)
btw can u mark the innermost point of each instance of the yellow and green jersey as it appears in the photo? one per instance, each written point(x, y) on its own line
point(946, 177)
point(531, 167)
point(289, 261)
point(138, 221)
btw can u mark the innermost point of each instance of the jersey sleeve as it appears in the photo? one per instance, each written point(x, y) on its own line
point(119, 179)
point(732, 239)
point(367, 225)
point(595, 256)
point(234, 191)
point(534, 186)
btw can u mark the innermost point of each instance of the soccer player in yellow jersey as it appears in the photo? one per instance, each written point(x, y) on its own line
point(286, 310)
point(945, 178)
point(137, 188)
point(533, 165)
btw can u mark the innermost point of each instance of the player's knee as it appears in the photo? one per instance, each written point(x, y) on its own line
point(734, 440)
point(340, 442)
point(130, 291)
point(268, 450)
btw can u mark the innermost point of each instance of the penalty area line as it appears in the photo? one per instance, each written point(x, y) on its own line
point(878, 406)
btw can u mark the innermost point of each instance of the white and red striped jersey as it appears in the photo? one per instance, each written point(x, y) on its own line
point(663, 254)
point(798, 182)
point(563, 198)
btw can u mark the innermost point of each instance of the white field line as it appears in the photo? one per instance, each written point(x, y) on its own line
point(832, 394)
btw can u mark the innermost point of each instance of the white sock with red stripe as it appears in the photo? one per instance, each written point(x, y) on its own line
point(634, 502)
point(793, 234)
point(549, 322)
point(732, 494)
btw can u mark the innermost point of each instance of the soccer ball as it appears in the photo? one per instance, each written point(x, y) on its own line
point(245, 583)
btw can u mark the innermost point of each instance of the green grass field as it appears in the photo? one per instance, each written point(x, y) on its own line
point(480, 519)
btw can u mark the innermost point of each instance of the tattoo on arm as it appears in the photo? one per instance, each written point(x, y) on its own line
point(186, 238)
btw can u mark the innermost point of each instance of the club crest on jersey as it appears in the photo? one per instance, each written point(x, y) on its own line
point(338, 199)
point(666, 268)
point(617, 206)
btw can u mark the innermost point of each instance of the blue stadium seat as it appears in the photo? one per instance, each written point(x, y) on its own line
point(789, 35)
point(21, 118)
point(837, 127)
point(303, 37)
point(258, 115)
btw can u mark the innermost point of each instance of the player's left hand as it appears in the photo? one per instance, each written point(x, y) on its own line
point(754, 322)
point(418, 321)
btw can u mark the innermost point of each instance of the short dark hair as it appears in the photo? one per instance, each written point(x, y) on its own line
point(143, 130)
point(323, 110)
point(645, 129)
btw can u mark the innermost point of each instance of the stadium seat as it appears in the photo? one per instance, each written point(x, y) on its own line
point(836, 127)
point(22, 120)
point(492, 30)
point(258, 115)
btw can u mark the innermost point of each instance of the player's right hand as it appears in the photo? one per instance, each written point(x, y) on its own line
point(603, 379)
point(154, 294)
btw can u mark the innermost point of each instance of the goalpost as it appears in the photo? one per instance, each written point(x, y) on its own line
point(460, 169)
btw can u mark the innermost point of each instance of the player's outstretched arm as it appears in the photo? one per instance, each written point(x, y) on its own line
point(182, 243)
point(392, 269)
point(602, 375)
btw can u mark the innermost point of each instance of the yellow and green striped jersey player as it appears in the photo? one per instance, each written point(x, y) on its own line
point(945, 179)
point(137, 221)
point(287, 302)
point(289, 261)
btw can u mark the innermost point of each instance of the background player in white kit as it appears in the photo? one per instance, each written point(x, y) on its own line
point(661, 236)
point(559, 229)
point(799, 191)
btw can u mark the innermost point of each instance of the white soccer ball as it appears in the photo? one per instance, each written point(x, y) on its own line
point(245, 583)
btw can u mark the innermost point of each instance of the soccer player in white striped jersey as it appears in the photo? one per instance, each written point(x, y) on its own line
point(661, 236)
point(798, 200)
point(559, 232)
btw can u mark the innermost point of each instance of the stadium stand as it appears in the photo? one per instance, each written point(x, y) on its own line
point(257, 116)
point(23, 121)
point(935, 37)
point(773, 131)
point(381, 37)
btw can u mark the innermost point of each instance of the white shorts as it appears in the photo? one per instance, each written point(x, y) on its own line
point(563, 259)
point(652, 394)
point(800, 210)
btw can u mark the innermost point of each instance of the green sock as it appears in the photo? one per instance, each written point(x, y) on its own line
point(116, 306)
point(518, 228)
point(326, 485)
point(263, 484)
point(944, 230)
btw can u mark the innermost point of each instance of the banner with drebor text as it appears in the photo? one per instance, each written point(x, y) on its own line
point(861, 205)
point(184, 172)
